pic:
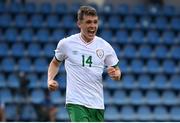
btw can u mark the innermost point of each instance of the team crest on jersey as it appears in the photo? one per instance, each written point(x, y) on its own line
point(100, 53)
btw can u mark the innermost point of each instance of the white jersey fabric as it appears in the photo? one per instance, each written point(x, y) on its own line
point(84, 65)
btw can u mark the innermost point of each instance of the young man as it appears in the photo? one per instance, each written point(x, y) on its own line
point(86, 56)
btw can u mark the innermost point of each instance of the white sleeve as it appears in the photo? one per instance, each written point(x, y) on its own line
point(111, 57)
point(60, 53)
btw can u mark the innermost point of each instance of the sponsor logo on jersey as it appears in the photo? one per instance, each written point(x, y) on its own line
point(100, 53)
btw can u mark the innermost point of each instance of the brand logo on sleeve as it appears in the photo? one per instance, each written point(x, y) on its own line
point(100, 53)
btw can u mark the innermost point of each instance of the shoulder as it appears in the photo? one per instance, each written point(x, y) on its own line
point(68, 40)
point(103, 42)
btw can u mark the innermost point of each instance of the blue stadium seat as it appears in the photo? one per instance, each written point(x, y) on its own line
point(175, 23)
point(169, 67)
point(169, 10)
point(60, 8)
point(30, 8)
point(122, 36)
point(153, 37)
point(130, 51)
point(145, 51)
point(56, 97)
point(128, 82)
point(18, 50)
point(111, 114)
point(43, 81)
point(21, 21)
point(52, 21)
point(160, 82)
point(145, 22)
point(137, 37)
point(153, 97)
point(19, 98)
point(168, 37)
point(123, 65)
point(161, 113)
point(4, 49)
point(41, 65)
point(8, 65)
point(137, 66)
point(175, 82)
point(62, 81)
point(37, 96)
point(11, 112)
point(11, 34)
point(116, 49)
point(128, 113)
point(49, 50)
point(121, 9)
point(73, 31)
point(74, 8)
point(120, 97)
point(139, 9)
point(154, 10)
point(144, 82)
point(106, 35)
point(45, 8)
point(2, 81)
point(106, 9)
point(169, 98)
point(3, 8)
point(144, 113)
point(57, 35)
point(36, 21)
point(33, 81)
point(153, 66)
point(130, 22)
point(108, 99)
point(34, 50)
point(6, 95)
point(43, 35)
point(62, 114)
point(111, 84)
point(174, 113)
point(28, 113)
point(24, 64)
point(160, 23)
point(174, 52)
point(13, 81)
point(68, 22)
point(5, 20)
point(114, 22)
point(27, 35)
point(15, 7)
point(161, 52)
point(136, 97)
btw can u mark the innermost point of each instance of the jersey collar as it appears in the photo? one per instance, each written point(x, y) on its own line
point(86, 43)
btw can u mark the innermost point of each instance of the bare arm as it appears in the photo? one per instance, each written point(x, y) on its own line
point(114, 72)
point(52, 72)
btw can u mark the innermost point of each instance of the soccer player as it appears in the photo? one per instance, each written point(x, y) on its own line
point(86, 55)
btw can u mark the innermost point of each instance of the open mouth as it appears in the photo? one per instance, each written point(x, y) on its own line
point(91, 32)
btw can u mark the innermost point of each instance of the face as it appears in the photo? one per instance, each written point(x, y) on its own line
point(88, 27)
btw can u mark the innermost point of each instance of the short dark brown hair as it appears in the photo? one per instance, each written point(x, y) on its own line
point(86, 11)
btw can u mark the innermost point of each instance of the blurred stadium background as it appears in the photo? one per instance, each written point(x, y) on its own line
point(144, 33)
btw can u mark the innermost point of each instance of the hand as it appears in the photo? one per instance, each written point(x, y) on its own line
point(114, 73)
point(53, 85)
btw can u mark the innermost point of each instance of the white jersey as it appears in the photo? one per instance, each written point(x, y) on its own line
point(84, 65)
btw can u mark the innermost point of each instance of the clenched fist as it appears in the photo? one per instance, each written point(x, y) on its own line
point(114, 73)
point(53, 85)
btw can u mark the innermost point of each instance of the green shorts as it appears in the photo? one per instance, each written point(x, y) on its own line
point(79, 113)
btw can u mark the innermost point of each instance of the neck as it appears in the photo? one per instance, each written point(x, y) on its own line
point(85, 39)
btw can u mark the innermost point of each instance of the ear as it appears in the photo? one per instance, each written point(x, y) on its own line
point(79, 24)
